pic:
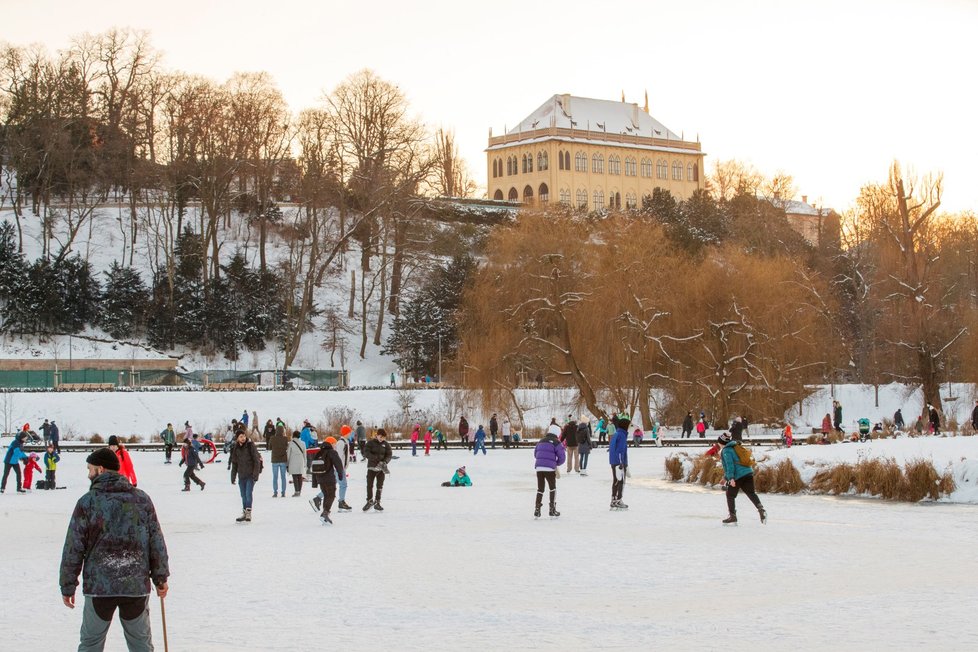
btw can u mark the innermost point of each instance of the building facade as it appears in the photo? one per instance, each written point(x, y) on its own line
point(591, 154)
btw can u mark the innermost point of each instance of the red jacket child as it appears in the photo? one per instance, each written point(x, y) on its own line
point(30, 465)
point(427, 440)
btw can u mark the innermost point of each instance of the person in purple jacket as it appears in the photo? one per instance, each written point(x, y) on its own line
point(548, 455)
point(618, 457)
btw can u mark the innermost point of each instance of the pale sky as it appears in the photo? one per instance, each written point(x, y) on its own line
point(830, 91)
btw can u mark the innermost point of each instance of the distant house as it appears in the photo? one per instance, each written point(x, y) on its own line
point(818, 225)
point(591, 154)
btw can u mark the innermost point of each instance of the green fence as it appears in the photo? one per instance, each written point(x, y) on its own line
point(150, 377)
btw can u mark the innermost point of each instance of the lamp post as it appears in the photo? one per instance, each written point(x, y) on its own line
point(439, 359)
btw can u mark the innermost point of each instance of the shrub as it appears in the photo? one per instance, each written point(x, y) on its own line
point(674, 468)
point(880, 478)
point(706, 471)
point(922, 481)
point(96, 439)
point(131, 439)
point(782, 477)
point(835, 480)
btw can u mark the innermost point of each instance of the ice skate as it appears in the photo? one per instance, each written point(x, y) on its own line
point(553, 510)
point(730, 520)
point(344, 507)
point(763, 514)
point(243, 517)
point(369, 504)
point(378, 507)
point(186, 488)
point(325, 519)
point(247, 515)
point(536, 512)
point(316, 503)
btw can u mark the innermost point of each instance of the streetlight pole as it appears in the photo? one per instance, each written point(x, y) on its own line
point(439, 359)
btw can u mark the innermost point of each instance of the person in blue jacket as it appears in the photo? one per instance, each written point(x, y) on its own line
point(738, 477)
point(309, 440)
point(479, 441)
point(12, 461)
point(618, 457)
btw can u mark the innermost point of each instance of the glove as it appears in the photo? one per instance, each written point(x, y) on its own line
point(557, 473)
point(619, 472)
point(628, 472)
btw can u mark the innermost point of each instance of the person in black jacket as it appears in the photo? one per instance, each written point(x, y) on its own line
point(378, 453)
point(737, 429)
point(584, 444)
point(246, 464)
point(493, 429)
point(687, 426)
point(192, 459)
point(974, 417)
point(935, 419)
point(326, 464)
point(898, 419)
point(268, 433)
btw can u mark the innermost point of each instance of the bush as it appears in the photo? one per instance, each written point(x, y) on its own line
point(96, 439)
point(880, 478)
point(674, 468)
point(922, 481)
point(706, 471)
point(782, 478)
point(835, 480)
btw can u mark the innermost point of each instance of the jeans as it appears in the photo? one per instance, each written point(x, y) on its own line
point(414, 449)
point(278, 470)
point(584, 455)
point(493, 440)
point(246, 486)
point(97, 616)
point(342, 482)
point(477, 444)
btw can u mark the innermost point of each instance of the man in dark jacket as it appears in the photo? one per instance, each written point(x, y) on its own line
point(737, 429)
point(268, 432)
point(55, 435)
point(378, 453)
point(192, 459)
point(584, 444)
point(687, 426)
point(326, 465)
point(493, 429)
point(463, 431)
point(361, 434)
point(279, 445)
point(115, 542)
point(246, 464)
point(898, 419)
point(935, 419)
point(45, 432)
point(568, 437)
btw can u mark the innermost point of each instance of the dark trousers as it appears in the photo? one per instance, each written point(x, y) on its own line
point(686, 434)
point(506, 441)
point(441, 443)
point(746, 484)
point(493, 439)
point(189, 475)
point(6, 472)
point(297, 483)
point(550, 478)
point(56, 442)
point(49, 477)
point(168, 451)
point(374, 476)
point(328, 490)
point(617, 485)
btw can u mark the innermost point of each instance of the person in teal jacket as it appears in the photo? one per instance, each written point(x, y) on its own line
point(11, 460)
point(738, 477)
point(460, 479)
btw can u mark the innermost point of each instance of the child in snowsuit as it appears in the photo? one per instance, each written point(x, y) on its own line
point(30, 465)
point(51, 460)
point(415, 434)
point(191, 458)
point(427, 440)
point(460, 479)
point(440, 436)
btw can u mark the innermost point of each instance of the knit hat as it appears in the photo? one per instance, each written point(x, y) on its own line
point(113, 441)
point(331, 441)
point(105, 458)
point(724, 438)
point(461, 470)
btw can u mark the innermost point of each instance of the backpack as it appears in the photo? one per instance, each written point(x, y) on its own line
point(744, 456)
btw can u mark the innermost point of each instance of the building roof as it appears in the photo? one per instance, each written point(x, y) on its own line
point(792, 207)
point(598, 116)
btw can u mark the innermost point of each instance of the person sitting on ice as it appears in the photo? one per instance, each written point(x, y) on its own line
point(460, 479)
point(877, 427)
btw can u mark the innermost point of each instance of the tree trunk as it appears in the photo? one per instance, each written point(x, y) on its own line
point(353, 293)
point(397, 267)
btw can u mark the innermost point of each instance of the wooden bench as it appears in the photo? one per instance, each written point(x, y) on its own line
point(86, 387)
point(230, 387)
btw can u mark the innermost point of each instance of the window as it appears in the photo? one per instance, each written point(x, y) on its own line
point(689, 172)
point(564, 192)
point(661, 169)
point(498, 196)
point(514, 194)
point(560, 160)
point(543, 161)
point(581, 198)
point(544, 193)
point(580, 162)
point(647, 168)
point(677, 171)
point(529, 162)
point(696, 172)
point(630, 201)
point(528, 194)
point(509, 166)
point(597, 164)
point(566, 160)
point(614, 164)
point(598, 199)
point(630, 168)
point(523, 164)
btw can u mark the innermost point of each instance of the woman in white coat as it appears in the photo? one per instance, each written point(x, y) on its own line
point(296, 462)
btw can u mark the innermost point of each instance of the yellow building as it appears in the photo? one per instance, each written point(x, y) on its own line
point(591, 154)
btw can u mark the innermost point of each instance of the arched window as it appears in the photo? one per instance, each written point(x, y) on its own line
point(529, 162)
point(565, 194)
point(566, 160)
point(614, 164)
point(581, 198)
point(689, 172)
point(560, 160)
point(509, 165)
point(580, 162)
point(514, 194)
point(615, 200)
point(677, 171)
point(597, 164)
point(523, 164)
point(661, 169)
point(696, 172)
point(544, 193)
point(498, 196)
point(598, 199)
point(630, 201)
point(495, 168)
point(647, 168)
point(543, 161)
point(527, 195)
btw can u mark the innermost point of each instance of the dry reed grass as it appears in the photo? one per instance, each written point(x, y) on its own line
point(880, 477)
point(96, 439)
point(706, 471)
point(674, 468)
point(781, 478)
point(835, 480)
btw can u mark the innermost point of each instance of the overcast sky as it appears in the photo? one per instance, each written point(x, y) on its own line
point(830, 91)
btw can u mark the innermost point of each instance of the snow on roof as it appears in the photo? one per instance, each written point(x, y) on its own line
point(792, 207)
point(596, 141)
point(571, 112)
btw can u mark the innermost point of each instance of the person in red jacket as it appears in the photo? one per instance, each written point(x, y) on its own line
point(30, 465)
point(125, 461)
point(427, 440)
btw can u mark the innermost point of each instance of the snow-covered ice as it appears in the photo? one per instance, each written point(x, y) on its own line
point(449, 569)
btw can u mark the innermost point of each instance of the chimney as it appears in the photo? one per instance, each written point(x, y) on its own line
point(635, 122)
point(804, 199)
point(566, 104)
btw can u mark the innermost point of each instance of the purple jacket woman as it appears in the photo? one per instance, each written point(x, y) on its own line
point(547, 456)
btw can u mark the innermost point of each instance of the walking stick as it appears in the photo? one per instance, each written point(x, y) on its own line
point(166, 646)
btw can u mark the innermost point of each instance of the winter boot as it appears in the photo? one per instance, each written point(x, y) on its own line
point(344, 507)
point(325, 520)
point(369, 504)
point(247, 515)
point(243, 517)
point(186, 487)
point(202, 485)
point(378, 507)
point(730, 520)
point(275, 495)
point(762, 513)
point(536, 511)
point(553, 510)
point(316, 504)
point(295, 495)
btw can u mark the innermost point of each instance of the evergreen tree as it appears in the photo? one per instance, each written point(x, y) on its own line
point(79, 292)
point(125, 302)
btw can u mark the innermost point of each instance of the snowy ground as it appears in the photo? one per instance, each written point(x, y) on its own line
point(449, 569)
